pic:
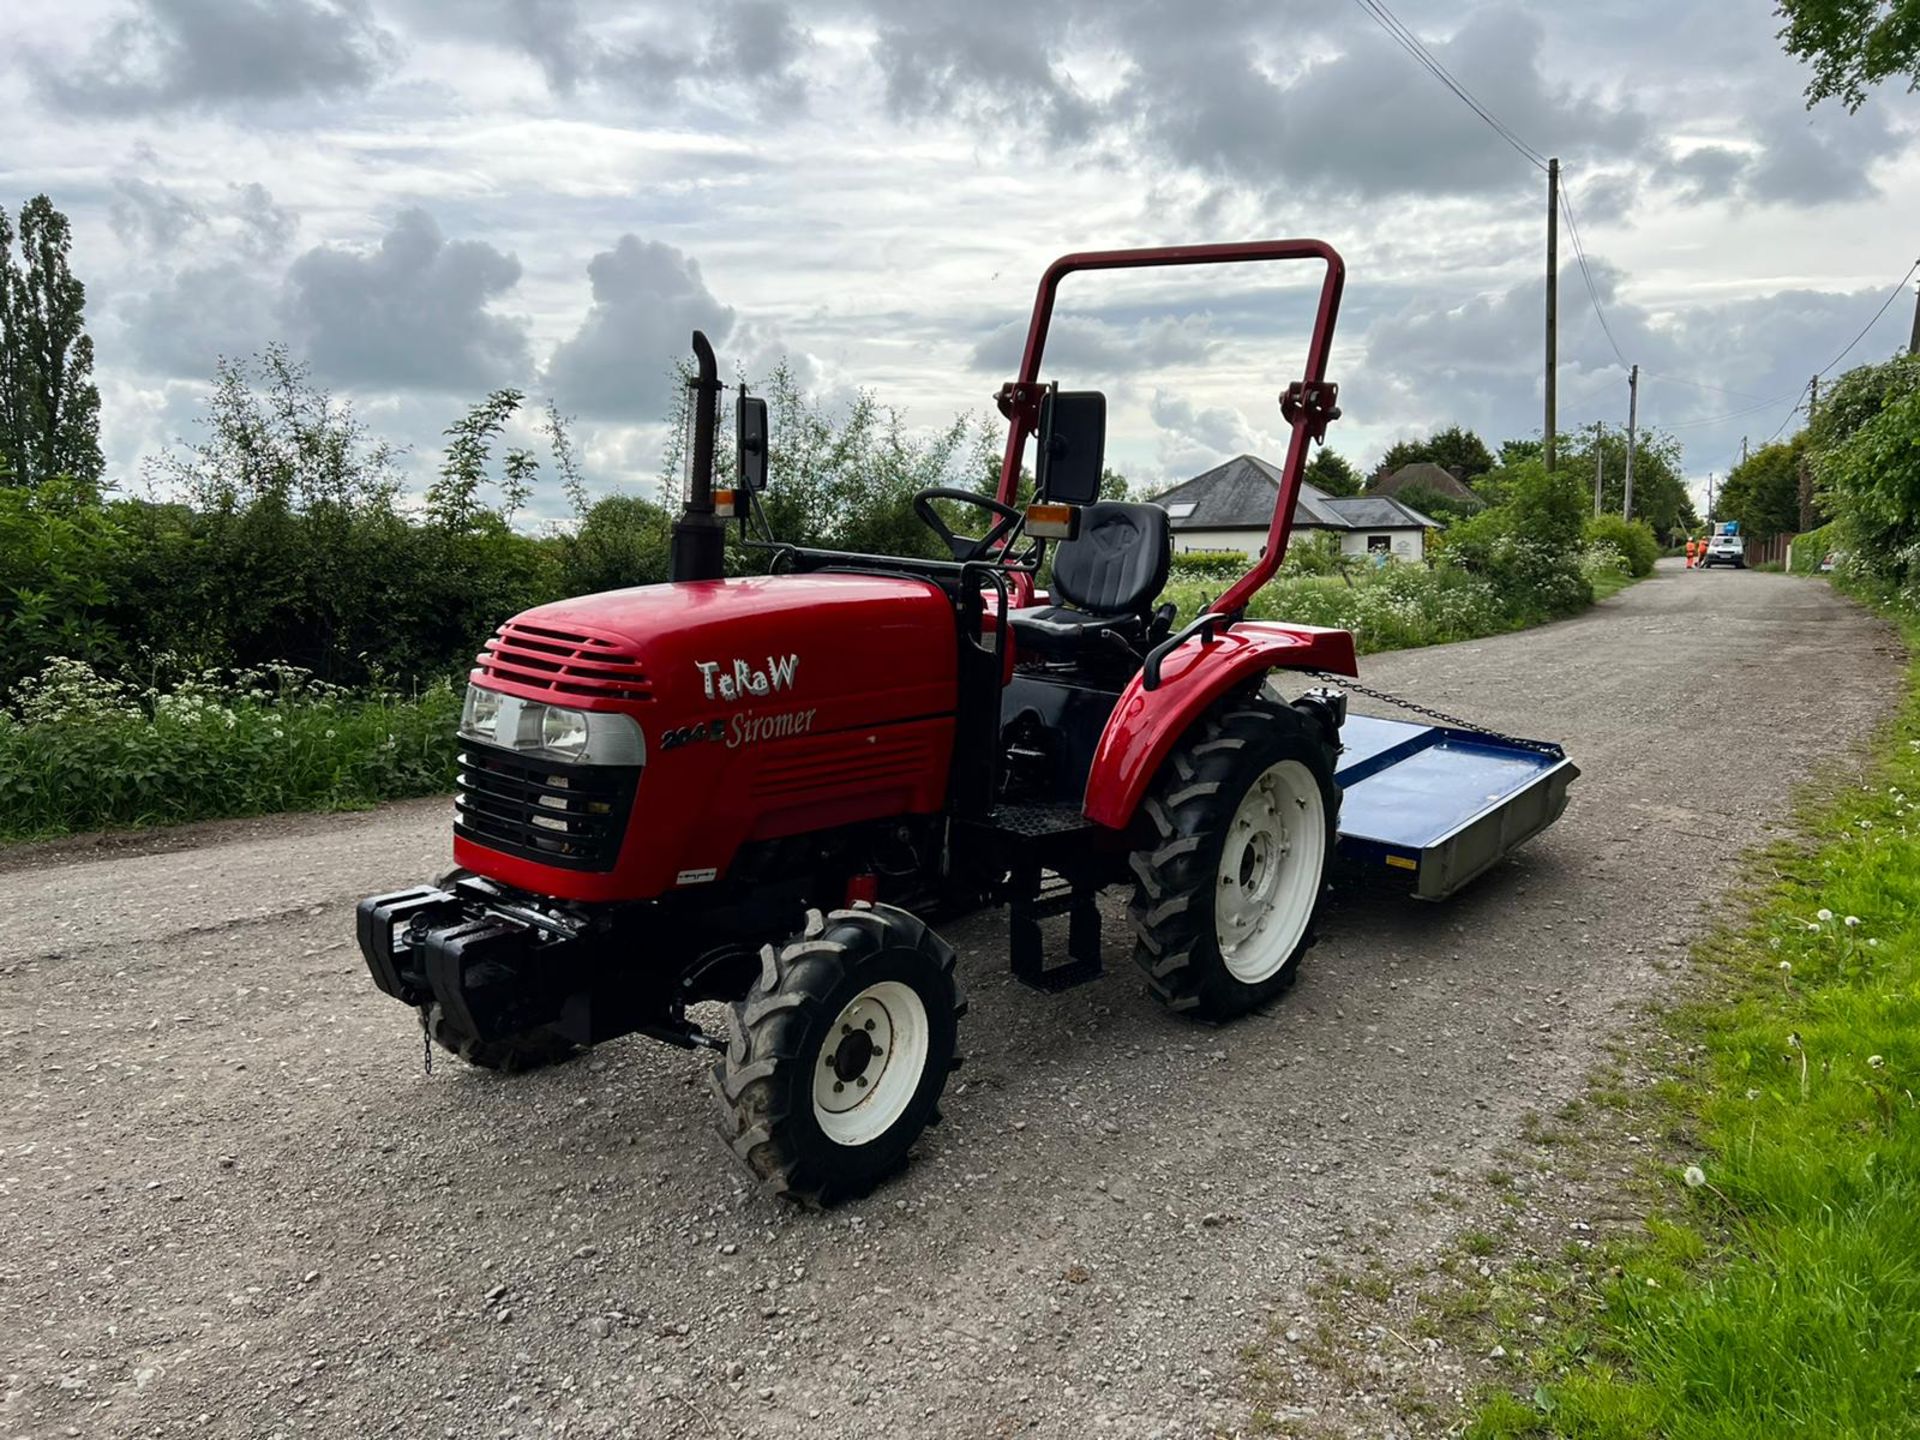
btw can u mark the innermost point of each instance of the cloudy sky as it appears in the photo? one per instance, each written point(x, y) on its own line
point(428, 200)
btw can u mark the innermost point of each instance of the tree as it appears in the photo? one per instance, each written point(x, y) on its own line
point(844, 479)
point(1332, 472)
point(1452, 449)
point(1763, 492)
point(1864, 448)
point(1660, 495)
point(49, 405)
point(1852, 44)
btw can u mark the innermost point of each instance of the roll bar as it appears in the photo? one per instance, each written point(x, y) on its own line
point(1308, 404)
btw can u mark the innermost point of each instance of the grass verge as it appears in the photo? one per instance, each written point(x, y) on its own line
point(1403, 607)
point(87, 752)
point(1775, 1288)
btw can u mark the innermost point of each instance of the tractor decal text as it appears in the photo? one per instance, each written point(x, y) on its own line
point(747, 728)
point(692, 734)
point(739, 680)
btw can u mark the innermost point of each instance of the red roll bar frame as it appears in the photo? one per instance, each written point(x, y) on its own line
point(1308, 404)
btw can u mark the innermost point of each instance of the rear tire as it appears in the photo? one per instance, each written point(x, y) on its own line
point(837, 1057)
point(1243, 814)
point(533, 1050)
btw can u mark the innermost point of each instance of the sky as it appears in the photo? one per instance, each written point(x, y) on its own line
point(426, 201)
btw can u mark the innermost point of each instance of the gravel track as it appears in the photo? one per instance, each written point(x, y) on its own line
point(234, 1204)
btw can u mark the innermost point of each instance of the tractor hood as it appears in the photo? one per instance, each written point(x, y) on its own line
point(768, 707)
point(847, 650)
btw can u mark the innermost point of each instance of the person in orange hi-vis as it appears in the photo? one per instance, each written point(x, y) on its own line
point(1693, 550)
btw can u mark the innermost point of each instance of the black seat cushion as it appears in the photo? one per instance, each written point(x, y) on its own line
point(1055, 631)
point(1109, 575)
point(1119, 561)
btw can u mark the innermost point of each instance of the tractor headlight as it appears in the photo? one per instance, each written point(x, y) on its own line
point(583, 737)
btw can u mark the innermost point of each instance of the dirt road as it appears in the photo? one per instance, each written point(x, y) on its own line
point(234, 1205)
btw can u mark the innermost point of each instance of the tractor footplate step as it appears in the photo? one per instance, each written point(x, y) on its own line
point(1038, 822)
point(1026, 909)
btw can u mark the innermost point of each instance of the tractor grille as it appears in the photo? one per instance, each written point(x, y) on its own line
point(564, 662)
point(573, 816)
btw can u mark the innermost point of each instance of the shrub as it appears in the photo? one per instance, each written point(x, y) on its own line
point(1634, 540)
point(83, 750)
point(1813, 547)
point(1225, 565)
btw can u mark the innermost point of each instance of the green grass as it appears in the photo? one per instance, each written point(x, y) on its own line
point(1779, 1293)
point(86, 752)
point(1401, 607)
point(1610, 582)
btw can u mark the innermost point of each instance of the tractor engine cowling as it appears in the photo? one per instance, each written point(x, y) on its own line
point(625, 745)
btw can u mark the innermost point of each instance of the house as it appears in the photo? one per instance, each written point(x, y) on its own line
point(1231, 506)
point(1427, 476)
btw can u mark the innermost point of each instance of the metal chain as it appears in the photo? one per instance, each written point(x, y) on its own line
point(1348, 683)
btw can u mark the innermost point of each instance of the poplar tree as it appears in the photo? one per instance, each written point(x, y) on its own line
point(49, 405)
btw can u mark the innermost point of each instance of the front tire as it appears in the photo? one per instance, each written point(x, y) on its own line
point(837, 1057)
point(1226, 894)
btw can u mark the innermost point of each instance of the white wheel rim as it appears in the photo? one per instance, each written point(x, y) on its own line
point(869, 1064)
point(1270, 870)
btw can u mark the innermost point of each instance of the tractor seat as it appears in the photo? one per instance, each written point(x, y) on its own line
point(1109, 576)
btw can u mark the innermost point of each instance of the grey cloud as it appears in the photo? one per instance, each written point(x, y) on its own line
point(1811, 159)
point(144, 213)
point(413, 313)
point(654, 62)
point(1795, 157)
point(951, 61)
point(550, 32)
point(266, 226)
point(1213, 86)
point(1078, 346)
point(1710, 172)
point(647, 299)
point(201, 312)
point(168, 55)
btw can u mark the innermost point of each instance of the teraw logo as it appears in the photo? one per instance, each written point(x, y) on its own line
point(742, 681)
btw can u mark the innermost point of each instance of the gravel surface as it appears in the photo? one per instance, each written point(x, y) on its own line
point(234, 1204)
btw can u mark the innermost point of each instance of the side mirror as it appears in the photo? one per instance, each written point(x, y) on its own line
point(750, 441)
point(1073, 446)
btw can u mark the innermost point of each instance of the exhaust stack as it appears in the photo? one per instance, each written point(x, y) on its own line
point(699, 536)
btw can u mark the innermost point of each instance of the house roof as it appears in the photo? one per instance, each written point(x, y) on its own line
point(1240, 494)
point(1425, 475)
point(1377, 512)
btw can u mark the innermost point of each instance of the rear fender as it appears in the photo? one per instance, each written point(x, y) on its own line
point(1146, 724)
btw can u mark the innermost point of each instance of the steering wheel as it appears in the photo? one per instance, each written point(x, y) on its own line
point(965, 547)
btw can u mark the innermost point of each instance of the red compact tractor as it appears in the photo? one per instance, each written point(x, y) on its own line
point(758, 790)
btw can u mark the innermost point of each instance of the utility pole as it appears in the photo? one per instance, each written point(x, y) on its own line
point(1913, 345)
point(1806, 475)
point(1599, 467)
point(1710, 479)
point(1633, 420)
point(1743, 449)
point(1553, 301)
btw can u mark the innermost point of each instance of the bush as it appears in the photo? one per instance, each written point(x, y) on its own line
point(1227, 565)
point(82, 751)
point(1812, 548)
point(1633, 540)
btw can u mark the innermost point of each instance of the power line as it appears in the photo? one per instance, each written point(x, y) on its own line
point(1897, 290)
point(1717, 389)
point(1409, 42)
point(1783, 425)
point(1731, 414)
point(1580, 254)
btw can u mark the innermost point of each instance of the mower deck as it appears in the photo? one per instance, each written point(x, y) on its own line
point(1442, 804)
